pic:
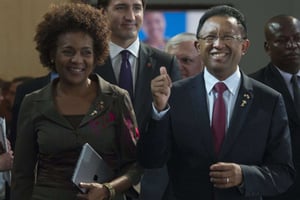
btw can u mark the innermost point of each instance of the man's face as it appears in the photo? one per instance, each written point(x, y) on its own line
point(126, 19)
point(221, 45)
point(283, 45)
point(189, 60)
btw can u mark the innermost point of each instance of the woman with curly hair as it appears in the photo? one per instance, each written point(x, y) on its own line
point(78, 107)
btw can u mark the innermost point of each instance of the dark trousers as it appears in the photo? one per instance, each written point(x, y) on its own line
point(154, 183)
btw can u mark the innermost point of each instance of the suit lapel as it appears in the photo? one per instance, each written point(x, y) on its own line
point(275, 80)
point(201, 113)
point(45, 104)
point(240, 112)
point(101, 103)
point(106, 71)
point(145, 68)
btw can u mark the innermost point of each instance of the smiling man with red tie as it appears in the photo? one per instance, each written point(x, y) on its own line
point(253, 159)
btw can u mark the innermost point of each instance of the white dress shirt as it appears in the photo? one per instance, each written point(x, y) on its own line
point(232, 83)
point(116, 58)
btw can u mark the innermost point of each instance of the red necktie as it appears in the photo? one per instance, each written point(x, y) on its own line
point(125, 77)
point(219, 117)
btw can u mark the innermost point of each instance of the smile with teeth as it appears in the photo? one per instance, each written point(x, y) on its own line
point(218, 55)
point(76, 69)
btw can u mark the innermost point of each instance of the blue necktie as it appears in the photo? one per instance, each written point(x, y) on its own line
point(125, 77)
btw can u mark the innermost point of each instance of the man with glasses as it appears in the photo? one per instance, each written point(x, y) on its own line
point(282, 44)
point(223, 135)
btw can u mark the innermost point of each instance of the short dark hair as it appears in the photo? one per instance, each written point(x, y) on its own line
point(223, 10)
point(104, 3)
point(72, 17)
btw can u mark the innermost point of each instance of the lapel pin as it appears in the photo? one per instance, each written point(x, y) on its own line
point(247, 96)
point(149, 64)
point(244, 102)
point(101, 105)
point(94, 113)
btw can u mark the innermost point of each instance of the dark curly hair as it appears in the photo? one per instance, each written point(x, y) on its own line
point(223, 10)
point(72, 17)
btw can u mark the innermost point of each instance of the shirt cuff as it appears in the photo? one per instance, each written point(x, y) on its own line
point(159, 115)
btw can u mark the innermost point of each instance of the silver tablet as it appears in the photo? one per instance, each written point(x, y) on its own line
point(90, 168)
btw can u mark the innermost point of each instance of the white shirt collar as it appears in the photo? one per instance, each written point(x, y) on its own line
point(115, 49)
point(286, 76)
point(232, 82)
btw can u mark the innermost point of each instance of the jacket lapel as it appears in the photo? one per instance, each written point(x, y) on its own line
point(144, 75)
point(275, 80)
point(240, 112)
point(45, 105)
point(201, 113)
point(106, 71)
point(101, 103)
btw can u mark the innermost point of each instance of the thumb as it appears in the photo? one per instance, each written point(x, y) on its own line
point(85, 185)
point(163, 70)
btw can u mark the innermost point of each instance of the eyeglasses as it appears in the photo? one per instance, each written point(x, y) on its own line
point(287, 42)
point(210, 39)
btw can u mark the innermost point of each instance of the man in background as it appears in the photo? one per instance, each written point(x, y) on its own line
point(126, 18)
point(183, 47)
point(282, 44)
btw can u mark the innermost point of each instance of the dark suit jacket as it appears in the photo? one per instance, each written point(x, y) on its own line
point(257, 138)
point(153, 183)
point(23, 89)
point(272, 77)
point(149, 62)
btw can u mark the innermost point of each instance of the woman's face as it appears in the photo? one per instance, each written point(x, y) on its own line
point(74, 57)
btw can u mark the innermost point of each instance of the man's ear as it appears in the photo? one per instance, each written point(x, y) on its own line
point(245, 46)
point(266, 46)
point(197, 46)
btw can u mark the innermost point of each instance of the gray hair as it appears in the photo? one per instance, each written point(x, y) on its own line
point(177, 39)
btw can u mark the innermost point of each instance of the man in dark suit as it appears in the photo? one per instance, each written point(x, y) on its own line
point(250, 156)
point(126, 18)
point(282, 44)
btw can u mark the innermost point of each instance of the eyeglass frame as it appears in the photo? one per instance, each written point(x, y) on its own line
point(210, 39)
